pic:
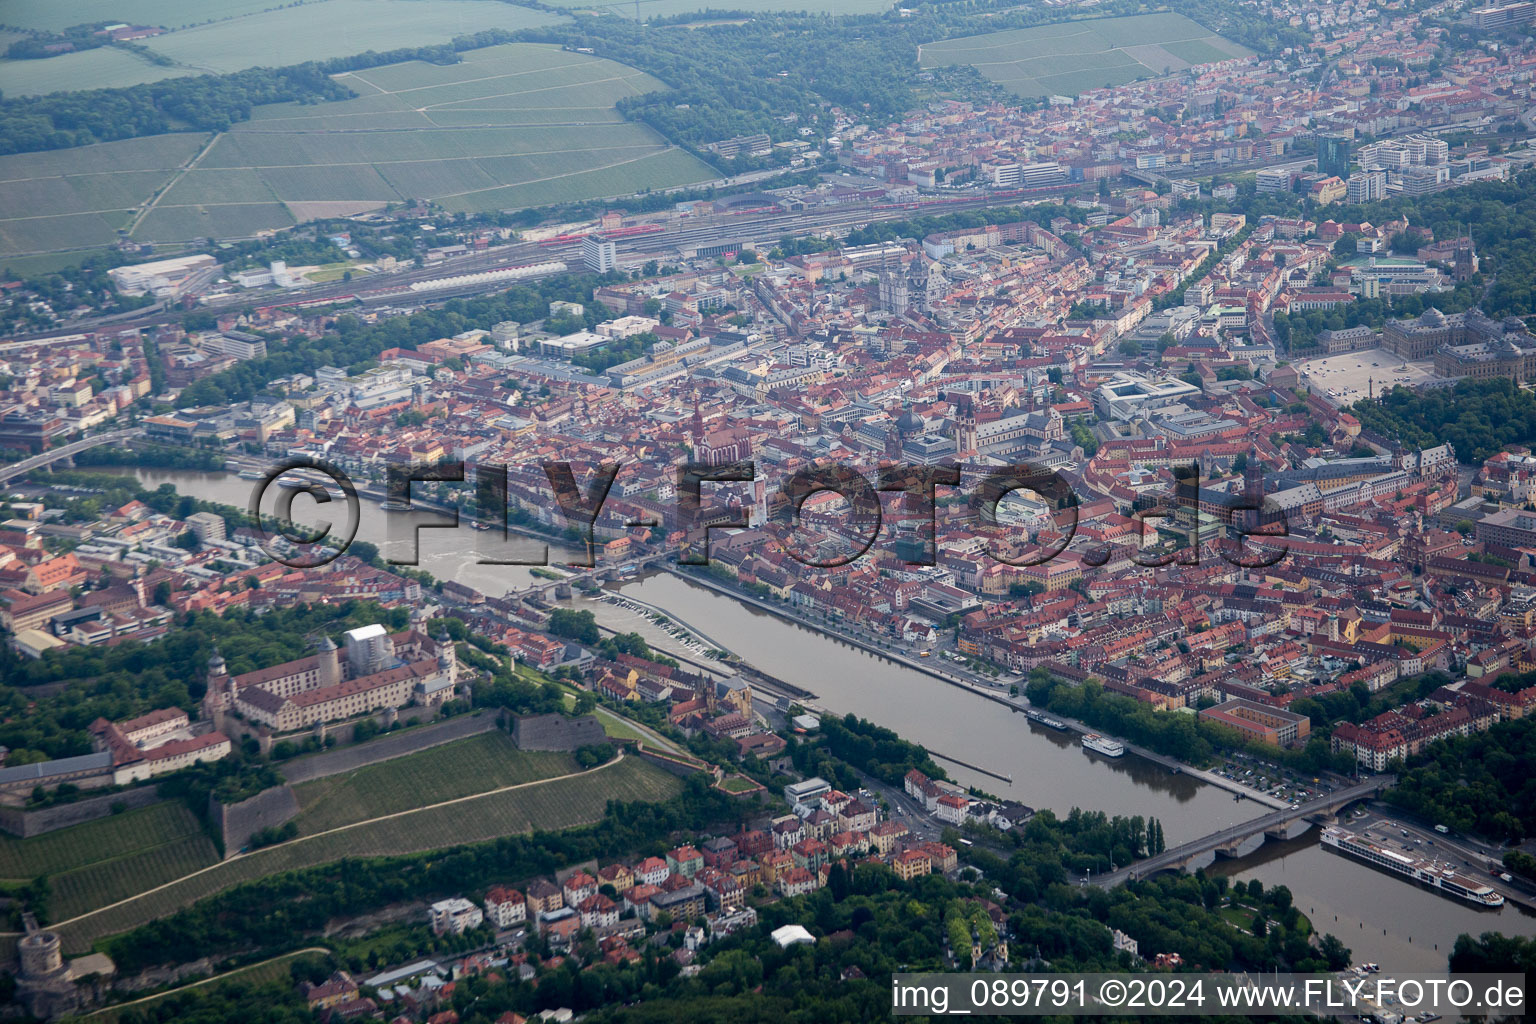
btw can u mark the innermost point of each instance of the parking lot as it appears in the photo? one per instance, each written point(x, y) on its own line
point(1346, 379)
point(1270, 780)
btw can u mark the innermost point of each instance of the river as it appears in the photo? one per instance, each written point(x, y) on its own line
point(1378, 916)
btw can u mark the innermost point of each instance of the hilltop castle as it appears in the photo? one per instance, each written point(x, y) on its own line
point(380, 670)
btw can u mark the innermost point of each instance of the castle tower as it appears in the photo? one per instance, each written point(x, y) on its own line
point(219, 697)
point(330, 662)
point(44, 985)
point(40, 951)
point(447, 657)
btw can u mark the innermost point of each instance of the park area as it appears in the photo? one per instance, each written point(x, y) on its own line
point(511, 126)
point(1070, 57)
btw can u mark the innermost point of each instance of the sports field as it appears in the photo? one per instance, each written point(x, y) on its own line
point(473, 765)
point(552, 804)
point(243, 35)
point(512, 126)
point(1074, 56)
point(102, 861)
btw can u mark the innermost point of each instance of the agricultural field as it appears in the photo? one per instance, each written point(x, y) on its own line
point(243, 35)
point(102, 861)
point(473, 765)
point(553, 804)
point(668, 8)
point(74, 198)
point(336, 28)
point(512, 126)
point(105, 67)
point(1074, 56)
point(52, 16)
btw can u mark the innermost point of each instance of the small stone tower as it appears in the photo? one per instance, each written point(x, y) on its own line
point(330, 662)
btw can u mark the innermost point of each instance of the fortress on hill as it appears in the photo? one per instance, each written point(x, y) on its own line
point(379, 670)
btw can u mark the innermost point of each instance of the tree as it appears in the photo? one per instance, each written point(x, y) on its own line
point(580, 626)
point(1334, 952)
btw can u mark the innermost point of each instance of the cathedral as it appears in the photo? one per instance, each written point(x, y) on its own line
point(920, 287)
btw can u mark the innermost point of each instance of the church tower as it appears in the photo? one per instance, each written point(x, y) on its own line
point(1253, 487)
point(965, 423)
point(696, 432)
point(1465, 263)
point(894, 293)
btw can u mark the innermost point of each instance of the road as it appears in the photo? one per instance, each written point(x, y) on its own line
point(1460, 851)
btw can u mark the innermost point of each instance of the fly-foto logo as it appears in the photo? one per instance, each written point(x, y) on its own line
point(581, 493)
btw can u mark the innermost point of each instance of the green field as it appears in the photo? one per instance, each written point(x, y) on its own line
point(553, 804)
point(105, 67)
point(473, 765)
point(512, 126)
point(668, 8)
point(73, 198)
point(1074, 56)
point(242, 35)
point(336, 28)
point(51, 15)
point(102, 861)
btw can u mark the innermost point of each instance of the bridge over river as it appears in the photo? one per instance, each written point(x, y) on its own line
point(63, 453)
point(1228, 838)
